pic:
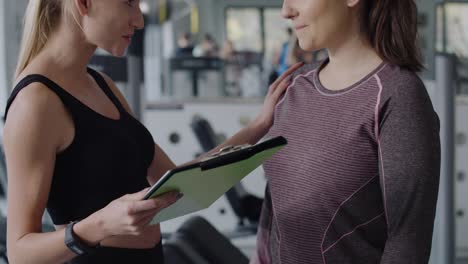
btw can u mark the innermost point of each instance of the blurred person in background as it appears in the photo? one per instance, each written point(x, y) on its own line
point(184, 45)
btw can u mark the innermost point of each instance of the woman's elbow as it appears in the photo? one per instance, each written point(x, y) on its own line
point(14, 252)
point(13, 256)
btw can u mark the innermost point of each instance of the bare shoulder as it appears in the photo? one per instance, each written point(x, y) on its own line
point(35, 111)
point(116, 91)
point(35, 99)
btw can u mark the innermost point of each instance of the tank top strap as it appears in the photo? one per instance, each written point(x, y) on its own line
point(107, 90)
point(64, 96)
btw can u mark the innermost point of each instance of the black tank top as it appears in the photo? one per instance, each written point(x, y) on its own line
point(107, 159)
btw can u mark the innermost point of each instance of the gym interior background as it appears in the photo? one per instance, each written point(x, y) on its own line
point(192, 88)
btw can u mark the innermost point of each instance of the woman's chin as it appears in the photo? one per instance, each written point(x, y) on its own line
point(309, 46)
point(119, 52)
point(116, 51)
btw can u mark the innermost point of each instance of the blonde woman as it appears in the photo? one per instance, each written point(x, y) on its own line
point(73, 147)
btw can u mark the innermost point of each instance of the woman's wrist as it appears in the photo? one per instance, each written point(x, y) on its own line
point(260, 125)
point(91, 229)
point(258, 129)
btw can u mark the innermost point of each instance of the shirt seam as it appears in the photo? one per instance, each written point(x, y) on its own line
point(354, 229)
point(350, 90)
point(293, 83)
point(336, 212)
point(377, 136)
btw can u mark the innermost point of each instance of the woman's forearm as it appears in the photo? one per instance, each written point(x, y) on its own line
point(50, 247)
point(248, 135)
point(40, 248)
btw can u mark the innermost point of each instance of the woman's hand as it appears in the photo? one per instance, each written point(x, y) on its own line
point(276, 89)
point(130, 215)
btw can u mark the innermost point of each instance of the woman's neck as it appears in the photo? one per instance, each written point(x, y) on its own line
point(68, 50)
point(349, 62)
point(354, 49)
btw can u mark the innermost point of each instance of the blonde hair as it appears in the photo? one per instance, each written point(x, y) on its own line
point(41, 19)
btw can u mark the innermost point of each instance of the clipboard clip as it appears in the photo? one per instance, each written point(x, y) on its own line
point(232, 154)
point(229, 149)
point(226, 150)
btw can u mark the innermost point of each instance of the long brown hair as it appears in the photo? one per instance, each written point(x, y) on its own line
point(391, 27)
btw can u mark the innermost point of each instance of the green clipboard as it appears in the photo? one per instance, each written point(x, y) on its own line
point(204, 182)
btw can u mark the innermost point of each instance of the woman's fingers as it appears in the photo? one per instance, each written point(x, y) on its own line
point(136, 196)
point(141, 206)
point(282, 87)
point(144, 221)
point(158, 203)
point(285, 75)
point(142, 212)
point(146, 217)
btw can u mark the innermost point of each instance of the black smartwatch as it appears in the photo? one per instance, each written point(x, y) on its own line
point(75, 244)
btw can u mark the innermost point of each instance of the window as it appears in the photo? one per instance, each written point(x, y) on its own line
point(244, 30)
point(255, 29)
point(275, 31)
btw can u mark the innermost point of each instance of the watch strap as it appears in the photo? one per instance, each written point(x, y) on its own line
point(75, 244)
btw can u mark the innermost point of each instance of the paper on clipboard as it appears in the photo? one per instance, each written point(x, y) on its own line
point(203, 183)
